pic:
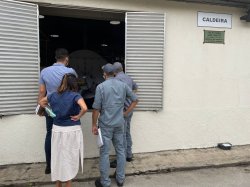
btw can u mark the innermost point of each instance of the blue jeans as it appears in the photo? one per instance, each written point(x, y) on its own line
point(114, 135)
point(47, 145)
point(127, 136)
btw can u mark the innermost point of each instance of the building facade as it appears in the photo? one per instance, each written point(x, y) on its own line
point(193, 94)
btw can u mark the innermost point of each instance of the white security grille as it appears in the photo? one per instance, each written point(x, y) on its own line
point(145, 38)
point(19, 57)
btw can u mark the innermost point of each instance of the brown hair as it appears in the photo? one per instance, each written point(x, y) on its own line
point(69, 82)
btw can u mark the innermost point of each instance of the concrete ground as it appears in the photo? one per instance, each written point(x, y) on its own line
point(209, 177)
point(146, 163)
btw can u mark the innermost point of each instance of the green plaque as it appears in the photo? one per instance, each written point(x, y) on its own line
point(217, 37)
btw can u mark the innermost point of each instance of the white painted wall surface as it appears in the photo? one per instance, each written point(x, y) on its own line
point(206, 89)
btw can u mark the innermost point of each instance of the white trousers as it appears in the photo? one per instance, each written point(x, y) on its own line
point(66, 152)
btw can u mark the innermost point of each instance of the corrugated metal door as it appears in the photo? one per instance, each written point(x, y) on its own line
point(19, 57)
point(145, 38)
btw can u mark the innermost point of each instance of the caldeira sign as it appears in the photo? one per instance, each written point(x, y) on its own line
point(206, 19)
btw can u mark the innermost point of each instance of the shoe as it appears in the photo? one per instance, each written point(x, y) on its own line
point(98, 183)
point(129, 159)
point(47, 170)
point(113, 164)
point(119, 183)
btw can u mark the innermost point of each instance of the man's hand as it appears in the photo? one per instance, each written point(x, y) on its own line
point(130, 108)
point(95, 115)
point(125, 114)
point(43, 102)
point(94, 129)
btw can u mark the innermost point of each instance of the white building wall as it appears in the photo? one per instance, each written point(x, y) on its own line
point(206, 89)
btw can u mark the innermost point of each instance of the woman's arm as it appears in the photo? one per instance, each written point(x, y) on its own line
point(83, 107)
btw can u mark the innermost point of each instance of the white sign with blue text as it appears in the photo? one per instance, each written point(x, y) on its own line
point(206, 19)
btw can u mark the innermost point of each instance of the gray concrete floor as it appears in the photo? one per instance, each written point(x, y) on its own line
point(212, 177)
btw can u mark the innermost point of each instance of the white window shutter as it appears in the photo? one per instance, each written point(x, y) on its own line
point(19, 57)
point(144, 56)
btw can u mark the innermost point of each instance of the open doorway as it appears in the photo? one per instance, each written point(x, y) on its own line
point(90, 42)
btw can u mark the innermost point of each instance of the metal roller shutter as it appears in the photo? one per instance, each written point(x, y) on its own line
point(19, 57)
point(145, 38)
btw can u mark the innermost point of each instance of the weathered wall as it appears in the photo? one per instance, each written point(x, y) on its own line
point(206, 89)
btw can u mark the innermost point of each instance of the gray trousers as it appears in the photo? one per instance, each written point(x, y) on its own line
point(127, 136)
point(116, 136)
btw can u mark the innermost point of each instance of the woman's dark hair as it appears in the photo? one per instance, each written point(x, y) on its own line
point(69, 82)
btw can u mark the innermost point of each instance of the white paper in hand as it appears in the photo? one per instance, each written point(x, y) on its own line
point(37, 109)
point(99, 138)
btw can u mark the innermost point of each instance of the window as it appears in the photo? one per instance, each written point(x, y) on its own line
point(145, 36)
point(19, 62)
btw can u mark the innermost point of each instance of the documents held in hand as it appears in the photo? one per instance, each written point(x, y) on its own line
point(99, 138)
point(40, 110)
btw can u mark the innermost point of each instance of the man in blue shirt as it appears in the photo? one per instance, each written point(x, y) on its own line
point(109, 102)
point(121, 76)
point(50, 80)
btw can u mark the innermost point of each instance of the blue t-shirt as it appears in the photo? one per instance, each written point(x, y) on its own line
point(52, 76)
point(65, 105)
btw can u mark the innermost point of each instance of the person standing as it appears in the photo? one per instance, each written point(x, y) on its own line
point(67, 139)
point(121, 76)
point(109, 102)
point(50, 79)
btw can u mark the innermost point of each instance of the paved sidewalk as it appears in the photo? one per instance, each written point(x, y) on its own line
point(237, 176)
point(158, 162)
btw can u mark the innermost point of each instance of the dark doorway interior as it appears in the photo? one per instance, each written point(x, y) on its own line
point(91, 43)
point(76, 34)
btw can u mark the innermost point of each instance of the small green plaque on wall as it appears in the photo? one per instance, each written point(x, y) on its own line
point(217, 37)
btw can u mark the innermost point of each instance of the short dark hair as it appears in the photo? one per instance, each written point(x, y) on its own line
point(61, 53)
point(69, 82)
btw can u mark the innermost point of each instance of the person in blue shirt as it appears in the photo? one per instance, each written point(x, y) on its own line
point(108, 109)
point(67, 139)
point(50, 79)
point(121, 76)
